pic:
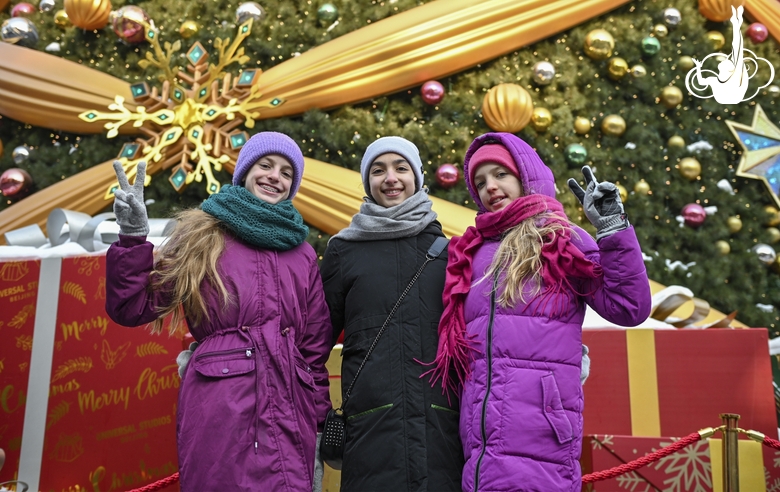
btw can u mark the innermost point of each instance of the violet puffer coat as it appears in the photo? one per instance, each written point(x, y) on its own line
point(256, 389)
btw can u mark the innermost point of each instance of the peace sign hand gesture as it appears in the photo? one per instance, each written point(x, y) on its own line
point(129, 206)
point(601, 203)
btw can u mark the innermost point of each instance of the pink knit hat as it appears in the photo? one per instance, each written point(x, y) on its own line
point(495, 154)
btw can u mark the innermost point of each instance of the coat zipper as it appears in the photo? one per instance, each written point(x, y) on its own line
point(483, 430)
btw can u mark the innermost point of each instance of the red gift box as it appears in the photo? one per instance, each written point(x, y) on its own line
point(86, 403)
point(673, 382)
point(697, 467)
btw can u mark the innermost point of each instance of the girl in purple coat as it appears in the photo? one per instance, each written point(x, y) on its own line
point(240, 273)
point(514, 300)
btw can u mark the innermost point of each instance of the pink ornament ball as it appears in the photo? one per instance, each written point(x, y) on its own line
point(15, 183)
point(23, 9)
point(432, 92)
point(694, 215)
point(447, 175)
point(757, 32)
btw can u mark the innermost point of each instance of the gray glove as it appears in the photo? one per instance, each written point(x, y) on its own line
point(602, 205)
point(129, 206)
point(319, 467)
point(585, 371)
point(184, 358)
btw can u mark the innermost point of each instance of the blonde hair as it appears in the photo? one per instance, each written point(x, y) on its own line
point(518, 259)
point(187, 259)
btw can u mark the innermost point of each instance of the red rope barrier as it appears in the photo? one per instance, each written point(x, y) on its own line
point(159, 484)
point(772, 443)
point(643, 461)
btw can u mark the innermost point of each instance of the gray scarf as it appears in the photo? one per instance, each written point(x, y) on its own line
point(374, 222)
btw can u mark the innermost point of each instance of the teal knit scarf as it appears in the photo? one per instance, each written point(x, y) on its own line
point(278, 227)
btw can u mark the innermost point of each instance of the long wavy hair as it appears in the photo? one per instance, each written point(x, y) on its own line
point(183, 263)
point(518, 260)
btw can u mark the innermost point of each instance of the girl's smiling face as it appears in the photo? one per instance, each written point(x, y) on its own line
point(390, 179)
point(270, 178)
point(497, 187)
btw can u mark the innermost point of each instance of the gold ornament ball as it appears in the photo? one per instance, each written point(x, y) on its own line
point(638, 71)
point(617, 68)
point(671, 97)
point(660, 30)
point(599, 44)
point(88, 14)
point(690, 168)
point(718, 10)
point(774, 234)
point(734, 224)
point(541, 119)
point(623, 192)
point(723, 247)
point(61, 19)
point(613, 125)
point(774, 216)
point(188, 29)
point(581, 125)
point(676, 142)
point(507, 108)
point(642, 187)
point(686, 63)
point(716, 39)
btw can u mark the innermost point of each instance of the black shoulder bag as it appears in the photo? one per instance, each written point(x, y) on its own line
point(334, 433)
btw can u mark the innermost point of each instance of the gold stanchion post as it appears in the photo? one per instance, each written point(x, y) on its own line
point(730, 452)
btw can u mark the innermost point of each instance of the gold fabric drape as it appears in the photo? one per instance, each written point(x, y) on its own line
point(48, 91)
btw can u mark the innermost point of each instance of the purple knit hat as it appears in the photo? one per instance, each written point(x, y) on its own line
point(265, 143)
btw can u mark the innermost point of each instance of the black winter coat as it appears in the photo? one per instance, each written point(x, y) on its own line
point(402, 434)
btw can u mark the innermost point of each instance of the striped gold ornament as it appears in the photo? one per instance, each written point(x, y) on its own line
point(507, 108)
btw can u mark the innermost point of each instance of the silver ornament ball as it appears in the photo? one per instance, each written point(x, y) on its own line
point(20, 154)
point(543, 72)
point(46, 5)
point(20, 31)
point(249, 10)
point(672, 16)
point(327, 12)
point(765, 253)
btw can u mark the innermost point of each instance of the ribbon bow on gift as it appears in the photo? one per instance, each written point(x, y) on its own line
point(92, 233)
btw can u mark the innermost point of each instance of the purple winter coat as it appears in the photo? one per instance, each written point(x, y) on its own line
point(256, 388)
point(521, 408)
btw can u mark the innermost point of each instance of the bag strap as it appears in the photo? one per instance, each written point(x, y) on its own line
point(433, 252)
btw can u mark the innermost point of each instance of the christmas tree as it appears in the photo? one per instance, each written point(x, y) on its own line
point(609, 92)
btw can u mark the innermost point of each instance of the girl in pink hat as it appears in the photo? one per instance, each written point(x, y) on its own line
point(515, 294)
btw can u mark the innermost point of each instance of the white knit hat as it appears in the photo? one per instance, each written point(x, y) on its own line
point(396, 145)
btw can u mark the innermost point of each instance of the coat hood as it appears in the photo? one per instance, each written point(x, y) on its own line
point(535, 176)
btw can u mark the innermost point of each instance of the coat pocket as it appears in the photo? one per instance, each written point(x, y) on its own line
point(225, 363)
point(553, 409)
point(304, 373)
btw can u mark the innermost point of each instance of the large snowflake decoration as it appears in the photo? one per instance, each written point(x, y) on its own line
point(191, 131)
point(689, 469)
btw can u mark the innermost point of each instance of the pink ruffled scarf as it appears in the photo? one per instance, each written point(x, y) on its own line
point(560, 259)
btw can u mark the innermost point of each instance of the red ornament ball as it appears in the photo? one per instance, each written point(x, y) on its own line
point(129, 23)
point(23, 9)
point(15, 183)
point(757, 32)
point(447, 175)
point(432, 92)
point(694, 215)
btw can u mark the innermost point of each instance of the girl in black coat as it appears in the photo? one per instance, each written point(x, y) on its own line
point(402, 434)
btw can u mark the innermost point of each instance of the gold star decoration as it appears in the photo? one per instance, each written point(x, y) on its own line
point(192, 131)
point(760, 144)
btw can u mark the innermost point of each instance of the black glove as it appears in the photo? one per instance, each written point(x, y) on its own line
point(601, 203)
